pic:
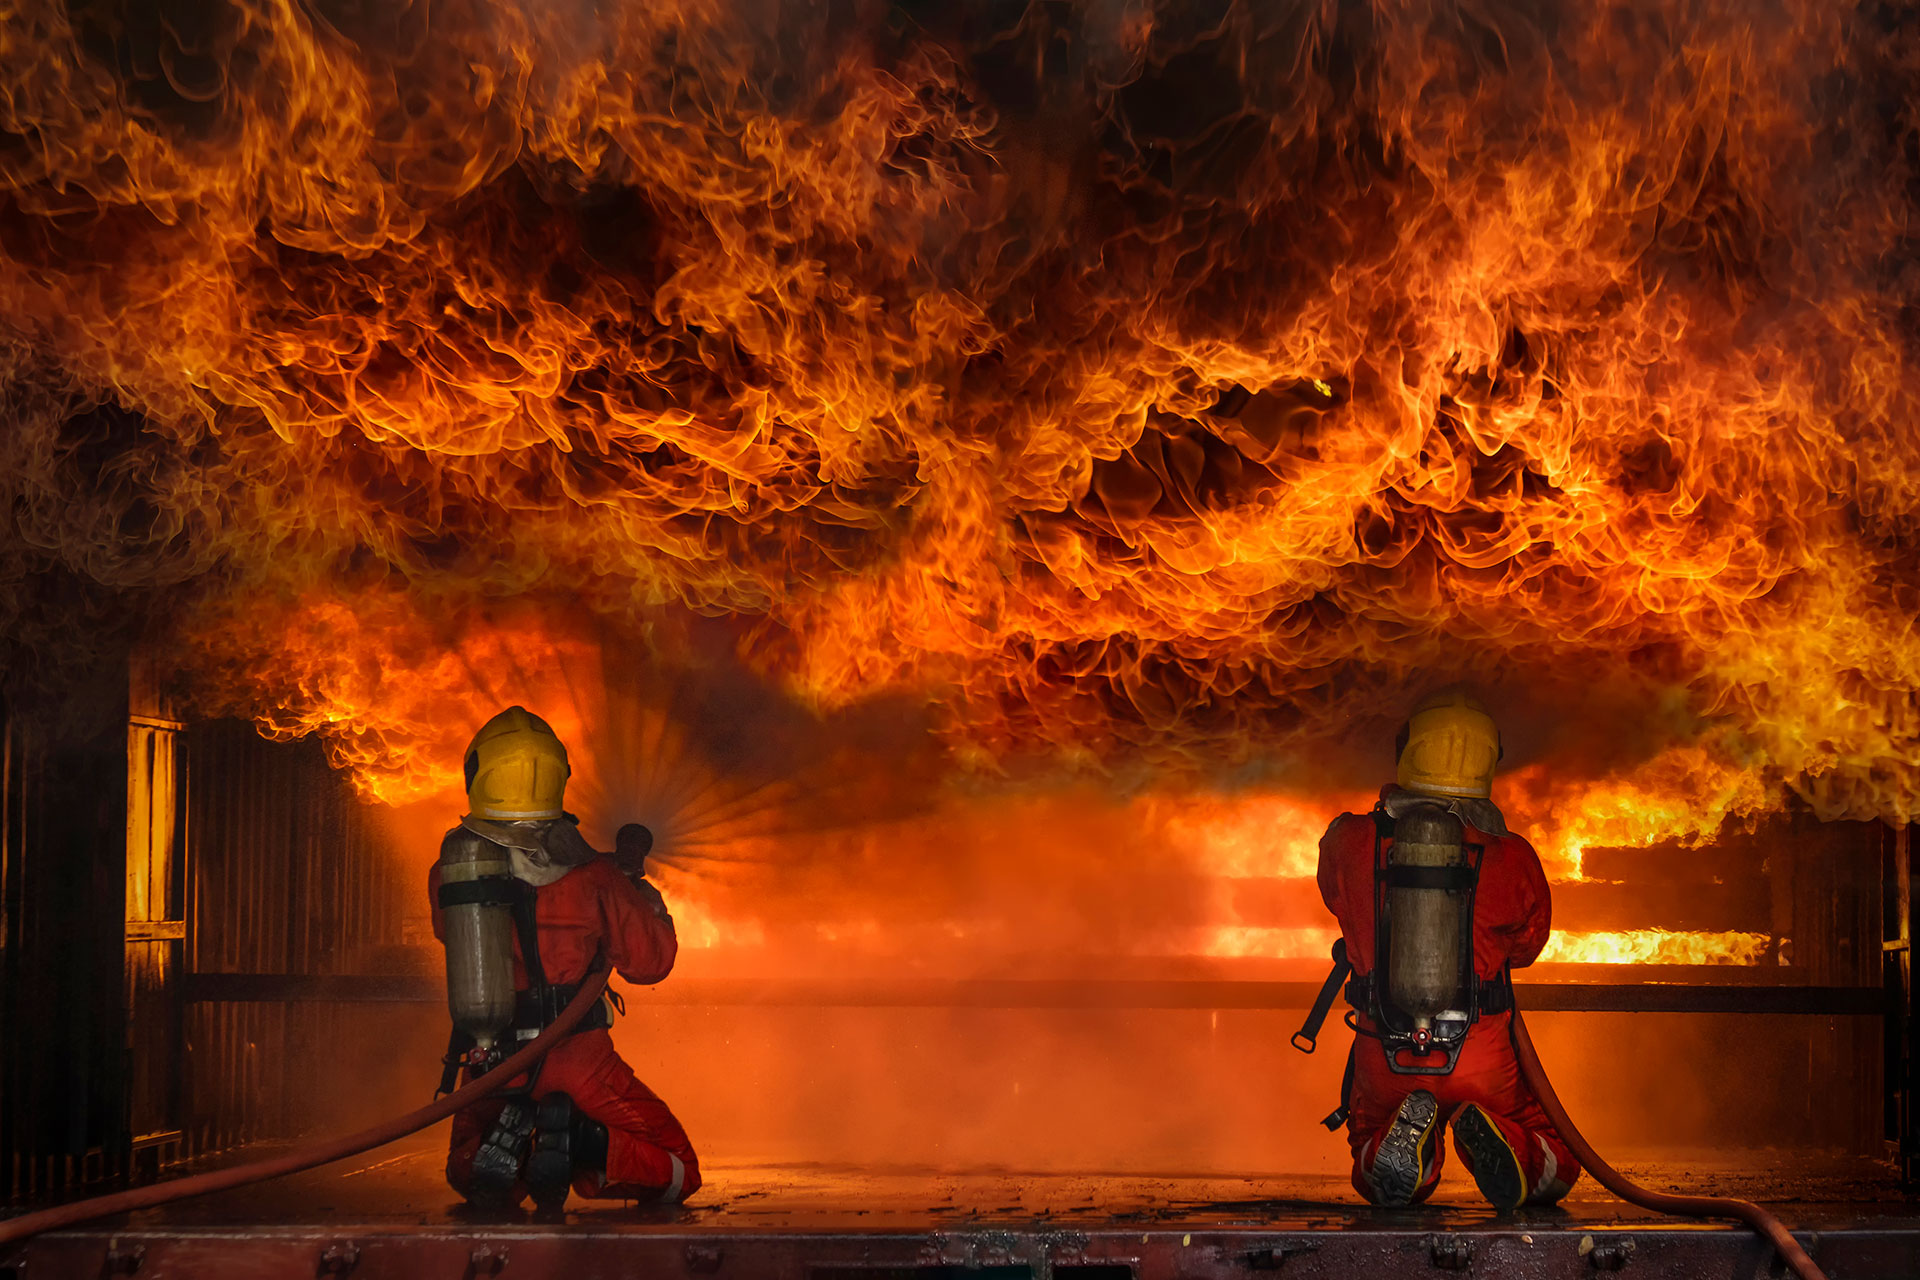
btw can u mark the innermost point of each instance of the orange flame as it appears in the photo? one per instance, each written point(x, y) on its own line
point(1168, 410)
point(1655, 946)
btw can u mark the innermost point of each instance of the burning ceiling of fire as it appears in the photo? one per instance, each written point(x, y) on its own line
point(1139, 386)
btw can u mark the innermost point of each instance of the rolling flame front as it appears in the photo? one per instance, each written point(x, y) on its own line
point(1157, 393)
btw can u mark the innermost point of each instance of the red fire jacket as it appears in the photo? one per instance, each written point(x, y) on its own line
point(591, 908)
point(1512, 908)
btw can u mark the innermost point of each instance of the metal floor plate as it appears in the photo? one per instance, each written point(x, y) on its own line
point(389, 1215)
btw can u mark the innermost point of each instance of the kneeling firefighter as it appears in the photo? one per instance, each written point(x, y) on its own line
point(527, 910)
point(1438, 902)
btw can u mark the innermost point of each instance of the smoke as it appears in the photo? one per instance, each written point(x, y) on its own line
point(1145, 392)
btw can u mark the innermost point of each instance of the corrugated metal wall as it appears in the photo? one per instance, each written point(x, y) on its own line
point(135, 852)
point(63, 1060)
point(287, 879)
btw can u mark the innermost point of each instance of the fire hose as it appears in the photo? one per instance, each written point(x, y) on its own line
point(315, 1154)
point(1633, 1193)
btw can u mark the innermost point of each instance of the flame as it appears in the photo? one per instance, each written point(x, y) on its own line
point(1271, 836)
point(986, 482)
point(1655, 946)
point(1153, 400)
point(723, 830)
point(1682, 794)
point(1625, 946)
point(1238, 941)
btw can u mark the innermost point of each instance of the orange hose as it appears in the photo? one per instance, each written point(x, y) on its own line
point(1633, 1193)
point(319, 1153)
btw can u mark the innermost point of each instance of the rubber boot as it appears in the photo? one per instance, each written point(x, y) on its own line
point(1406, 1151)
point(497, 1164)
point(550, 1167)
point(590, 1147)
point(1496, 1166)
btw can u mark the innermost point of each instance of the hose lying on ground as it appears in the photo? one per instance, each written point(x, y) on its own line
point(1660, 1202)
point(26, 1226)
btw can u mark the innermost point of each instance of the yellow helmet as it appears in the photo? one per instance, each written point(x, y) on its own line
point(1449, 747)
point(516, 768)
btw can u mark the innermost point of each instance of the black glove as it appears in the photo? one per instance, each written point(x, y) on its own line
point(631, 845)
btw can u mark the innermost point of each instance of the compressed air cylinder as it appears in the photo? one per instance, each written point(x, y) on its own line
point(1426, 925)
point(476, 884)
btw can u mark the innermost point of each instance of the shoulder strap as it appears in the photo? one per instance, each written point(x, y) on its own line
point(528, 927)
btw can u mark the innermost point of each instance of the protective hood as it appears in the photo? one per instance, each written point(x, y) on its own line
point(1481, 814)
point(541, 851)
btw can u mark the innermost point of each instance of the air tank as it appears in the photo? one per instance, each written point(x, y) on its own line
point(479, 936)
point(1423, 961)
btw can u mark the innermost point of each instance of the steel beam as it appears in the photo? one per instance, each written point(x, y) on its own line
point(1040, 993)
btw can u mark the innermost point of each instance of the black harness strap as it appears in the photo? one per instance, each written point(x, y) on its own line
point(1309, 1031)
point(1307, 1037)
point(536, 1008)
point(487, 891)
point(458, 1045)
point(1338, 1116)
point(532, 1013)
point(1494, 995)
point(1456, 878)
point(528, 927)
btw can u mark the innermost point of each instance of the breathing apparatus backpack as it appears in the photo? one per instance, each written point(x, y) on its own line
point(484, 908)
point(1423, 995)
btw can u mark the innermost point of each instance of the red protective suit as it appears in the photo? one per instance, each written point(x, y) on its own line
point(1512, 916)
point(592, 910)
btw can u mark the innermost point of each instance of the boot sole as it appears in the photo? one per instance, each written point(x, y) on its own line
point(550, 1167)
point(496, 1166)
point(1496, 1167)
point(1399, 1165)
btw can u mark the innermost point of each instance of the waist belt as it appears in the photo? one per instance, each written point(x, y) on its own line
point(535, 1010)
point(1495, 994)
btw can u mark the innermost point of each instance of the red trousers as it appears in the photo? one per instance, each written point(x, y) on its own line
point(1486, 1074)
point(648, 1154)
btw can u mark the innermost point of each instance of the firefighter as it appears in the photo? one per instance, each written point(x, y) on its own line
point(527, 910)
point(1438, 902)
